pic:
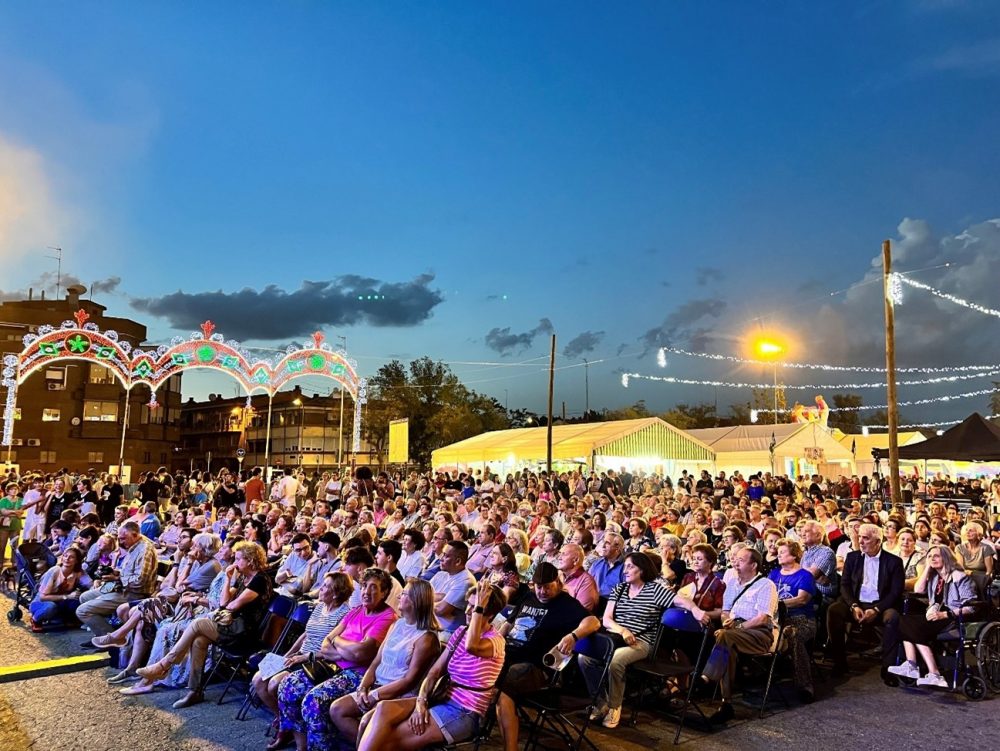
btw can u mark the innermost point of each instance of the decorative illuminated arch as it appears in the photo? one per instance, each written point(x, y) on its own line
point(80, 340)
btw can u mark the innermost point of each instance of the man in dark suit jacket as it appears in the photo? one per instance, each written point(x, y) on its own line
point(865, 601)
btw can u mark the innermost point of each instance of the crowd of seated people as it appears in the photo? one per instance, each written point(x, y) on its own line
point(414, 577)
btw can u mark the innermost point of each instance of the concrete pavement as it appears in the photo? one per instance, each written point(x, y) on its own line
point(80, 712)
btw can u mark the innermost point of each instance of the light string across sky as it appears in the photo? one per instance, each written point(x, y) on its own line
point(895, 294)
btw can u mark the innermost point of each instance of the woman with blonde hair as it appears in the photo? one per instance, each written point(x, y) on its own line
point(518, 541)
point(246, 592)
point(409, 649)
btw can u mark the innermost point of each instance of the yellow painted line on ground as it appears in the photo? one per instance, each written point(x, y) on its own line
point(53, 667)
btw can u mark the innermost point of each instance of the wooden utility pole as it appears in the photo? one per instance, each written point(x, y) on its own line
point(890, 375)
point(552, 381)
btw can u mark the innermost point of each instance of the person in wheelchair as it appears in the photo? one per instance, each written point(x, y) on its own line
point(948, 589)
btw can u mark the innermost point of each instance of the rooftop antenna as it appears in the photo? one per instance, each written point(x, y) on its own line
point(58, 257)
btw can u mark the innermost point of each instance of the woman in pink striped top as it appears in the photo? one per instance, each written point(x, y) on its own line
point(473, 661)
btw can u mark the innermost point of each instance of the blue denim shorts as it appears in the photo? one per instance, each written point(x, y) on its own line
point(455, 721)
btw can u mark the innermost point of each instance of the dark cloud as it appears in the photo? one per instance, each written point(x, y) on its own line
point(621, 348)
point(929, 331)
point(273, 313)
point(503, 342)
point(583, 343)
point(681, 327)
point(106, 286)
point(705, 274)
point(49, 280)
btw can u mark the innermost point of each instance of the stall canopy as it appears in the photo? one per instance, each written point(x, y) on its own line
point(798, 448)
point(973, 439)
point(863, 445)
point(649, 440)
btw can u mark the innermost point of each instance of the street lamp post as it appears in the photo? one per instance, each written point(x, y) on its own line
point(768, 348)
point(340, 429)
point(302, 414)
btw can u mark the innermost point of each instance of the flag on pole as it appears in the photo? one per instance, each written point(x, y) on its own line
point(854, 446)
point(773, 443)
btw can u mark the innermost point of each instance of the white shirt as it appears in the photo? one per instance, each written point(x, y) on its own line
point(410, 565)
point(869, 584)
point(288, 486)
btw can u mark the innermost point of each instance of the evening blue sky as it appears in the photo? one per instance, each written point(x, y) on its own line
point(596, 165)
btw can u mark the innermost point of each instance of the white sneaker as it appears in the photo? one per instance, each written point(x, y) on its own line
point(612, 718)
point(598, 713)
point(933, 680)
point(906, 670)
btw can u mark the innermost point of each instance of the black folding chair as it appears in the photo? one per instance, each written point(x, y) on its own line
point(293, 628)
point(235, 657)
point(487, 725)
point(660, 670)
point(768, 661)
point(554, 705)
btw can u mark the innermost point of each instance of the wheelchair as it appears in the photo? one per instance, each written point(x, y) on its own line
point(971, 647)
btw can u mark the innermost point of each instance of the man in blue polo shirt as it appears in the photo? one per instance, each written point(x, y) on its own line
point(608, 570)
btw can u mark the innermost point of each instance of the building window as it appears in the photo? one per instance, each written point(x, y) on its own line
point(101, 374)
point(100, 411)
point(95, 457)
point(55, 379)
point(50, 415)
point(163, 457)
point(47, 457)
point(146, 459)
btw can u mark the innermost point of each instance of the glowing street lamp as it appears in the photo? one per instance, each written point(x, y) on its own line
point(769, 348)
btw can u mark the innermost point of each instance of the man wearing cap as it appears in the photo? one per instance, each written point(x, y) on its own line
point(549, 617)
point(325, 561)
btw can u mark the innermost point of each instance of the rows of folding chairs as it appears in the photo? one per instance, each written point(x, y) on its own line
point(659, 671)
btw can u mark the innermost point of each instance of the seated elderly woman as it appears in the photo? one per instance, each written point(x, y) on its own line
point(948, 589)
point(246, 592)
point(797, 589)
point(974, 555)
point(473, 661)
point(409, 649)
point(139, 621)
point(334, 596)
point(347, 651)
point(58, 591)
point(633, 616)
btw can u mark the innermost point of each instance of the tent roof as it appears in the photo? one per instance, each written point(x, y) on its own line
point(789, 439)
point(747, 437)
point(865, 443)
point(973, 439)
point(576, 441)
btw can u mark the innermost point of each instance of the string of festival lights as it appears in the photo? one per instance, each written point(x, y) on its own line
point(661, 360)
point(896, 294)
point(908, 403)
point(626, 377)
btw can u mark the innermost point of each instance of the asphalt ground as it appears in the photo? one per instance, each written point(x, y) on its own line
point(78, 711)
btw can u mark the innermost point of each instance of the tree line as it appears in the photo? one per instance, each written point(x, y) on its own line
point(441, 410)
